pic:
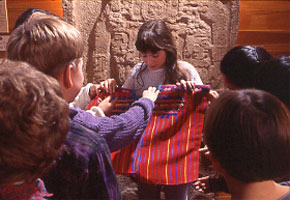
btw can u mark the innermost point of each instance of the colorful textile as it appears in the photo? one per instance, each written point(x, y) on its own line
point(167, 153)
point(32, 191)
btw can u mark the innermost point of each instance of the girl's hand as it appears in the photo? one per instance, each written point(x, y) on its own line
point(202, 185)
point(211, 183)
point(151, 93)
point(109, 85)
point(204, 151)
point(212, 95)
point(187, 85)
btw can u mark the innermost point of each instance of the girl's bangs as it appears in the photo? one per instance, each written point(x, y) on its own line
point(148, 43)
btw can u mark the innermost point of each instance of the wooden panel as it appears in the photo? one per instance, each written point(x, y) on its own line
point(266, 24)
point(276, 42)
point(16, 7)
point(265, 15)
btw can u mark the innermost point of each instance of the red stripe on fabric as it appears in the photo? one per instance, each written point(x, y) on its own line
point(182, 149)
point(145, 150)
point(161, 151)
point(138, 162)
point(174, 151)
point(156, 146)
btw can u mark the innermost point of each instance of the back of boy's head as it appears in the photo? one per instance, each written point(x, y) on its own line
point(33, 122)
point(47, 43)
point(239, 63)
point(248, 133)
point(274, 77)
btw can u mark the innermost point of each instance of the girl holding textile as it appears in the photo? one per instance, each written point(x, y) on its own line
point(160, 66)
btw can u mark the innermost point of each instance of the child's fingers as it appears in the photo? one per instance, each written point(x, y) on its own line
point(205, 178)
point(190, 85)
point(183, 83)
point(203, 150)
point(111, 85)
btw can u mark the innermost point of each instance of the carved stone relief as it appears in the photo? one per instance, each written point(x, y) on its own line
point(203, 30)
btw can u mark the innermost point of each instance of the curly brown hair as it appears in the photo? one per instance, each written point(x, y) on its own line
point(34, 121)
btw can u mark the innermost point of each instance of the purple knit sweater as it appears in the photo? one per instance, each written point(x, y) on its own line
point(119, 130)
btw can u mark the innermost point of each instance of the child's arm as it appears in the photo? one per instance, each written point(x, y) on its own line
point(121, 130)
point(190, 72)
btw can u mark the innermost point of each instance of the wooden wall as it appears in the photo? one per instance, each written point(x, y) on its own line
point(16, 7)
point(262, 23)
point(266, 24)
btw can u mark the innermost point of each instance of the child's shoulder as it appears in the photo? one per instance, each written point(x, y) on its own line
point(185, 66)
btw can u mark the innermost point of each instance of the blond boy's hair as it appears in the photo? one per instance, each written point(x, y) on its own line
point(48, 43)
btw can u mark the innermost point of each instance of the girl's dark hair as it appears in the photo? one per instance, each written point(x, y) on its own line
point(155, 36)
point(248, 133)
point(239, 64)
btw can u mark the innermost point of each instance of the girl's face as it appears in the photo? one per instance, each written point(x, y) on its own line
point(154, 60)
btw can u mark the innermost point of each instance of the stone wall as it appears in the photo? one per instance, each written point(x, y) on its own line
point(203, 31)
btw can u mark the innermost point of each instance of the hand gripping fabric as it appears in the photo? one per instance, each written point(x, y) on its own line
point(167, 152)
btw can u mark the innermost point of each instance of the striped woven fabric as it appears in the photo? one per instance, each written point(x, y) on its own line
point(167, 153)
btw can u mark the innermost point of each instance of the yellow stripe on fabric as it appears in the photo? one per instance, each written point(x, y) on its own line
point(151, 136)
point(187, 147)
point(168, 146)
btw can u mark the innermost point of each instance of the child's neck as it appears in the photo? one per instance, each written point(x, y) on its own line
point(255, 190)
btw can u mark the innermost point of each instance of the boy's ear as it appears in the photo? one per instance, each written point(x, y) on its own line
point(67, 76)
